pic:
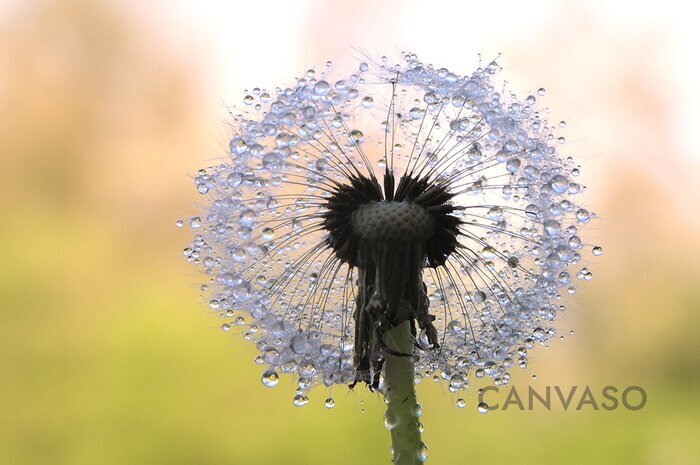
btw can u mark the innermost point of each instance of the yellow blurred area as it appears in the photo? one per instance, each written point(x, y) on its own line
point(109, 356)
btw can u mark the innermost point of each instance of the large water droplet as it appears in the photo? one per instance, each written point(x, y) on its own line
point(417, 411)
point(268, 234)
point(482, 408)
point(270, 379)
point(322, 88)
point(560, 184)
point(390, 420)
point(422, 452)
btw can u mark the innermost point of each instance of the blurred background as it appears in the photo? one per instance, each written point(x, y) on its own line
point(109, 356)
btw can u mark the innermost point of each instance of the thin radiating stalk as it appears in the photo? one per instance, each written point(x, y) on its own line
point(403, 412)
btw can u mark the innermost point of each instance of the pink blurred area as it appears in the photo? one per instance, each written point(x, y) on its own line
point(107, 106)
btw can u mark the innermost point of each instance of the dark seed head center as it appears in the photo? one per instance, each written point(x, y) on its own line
point(395, 221)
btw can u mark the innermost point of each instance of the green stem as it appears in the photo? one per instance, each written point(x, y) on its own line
point(402, 414)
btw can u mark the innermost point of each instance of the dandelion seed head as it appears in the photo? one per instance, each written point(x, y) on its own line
point(440, 196)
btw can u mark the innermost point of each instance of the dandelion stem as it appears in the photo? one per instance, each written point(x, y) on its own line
point(402, 412)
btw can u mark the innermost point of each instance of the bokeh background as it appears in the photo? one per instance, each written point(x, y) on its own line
point(109, 356)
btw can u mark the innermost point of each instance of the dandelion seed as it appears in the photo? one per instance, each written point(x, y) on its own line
point(404, 196)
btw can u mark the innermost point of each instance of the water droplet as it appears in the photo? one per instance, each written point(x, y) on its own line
point(417, 411)
point(268, 234)
point(597, 250)
point(300, 400)
point(461, 403)
point(234, 179)
point(179, 223)
point(422, 452)
point(415, 113)
point(225, 327)
point(559, 184)
point(513, 164)
point(541, 91)
point(272, 162)
point(367, 102)
point(322, 88)
point(390, 420)
point(482, 408)
point(248, 99)
point(356, 135)
point(270, 379)
point(329, 403)
point(552, 227)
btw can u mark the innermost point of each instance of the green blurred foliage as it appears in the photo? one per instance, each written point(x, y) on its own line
point(108, 356)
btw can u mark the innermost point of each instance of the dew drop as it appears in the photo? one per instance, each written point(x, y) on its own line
point(461, 403)
point(417, 411)
point(322, 88)
point(300, 400)
point(390, 420)
point(329, 403)
point(179, 223)
point(512, 165)
point(560, 184)
point(367, 102)
point(270, 379)
point(597, 251)
point(482, 408)
point(234, 179)
point(268, 234)
point(415, 113)
point(422, 452)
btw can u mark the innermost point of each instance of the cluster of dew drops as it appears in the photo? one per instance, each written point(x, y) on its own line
point(547, 177)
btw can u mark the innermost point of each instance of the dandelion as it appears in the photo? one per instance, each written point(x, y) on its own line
point(402, 223)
